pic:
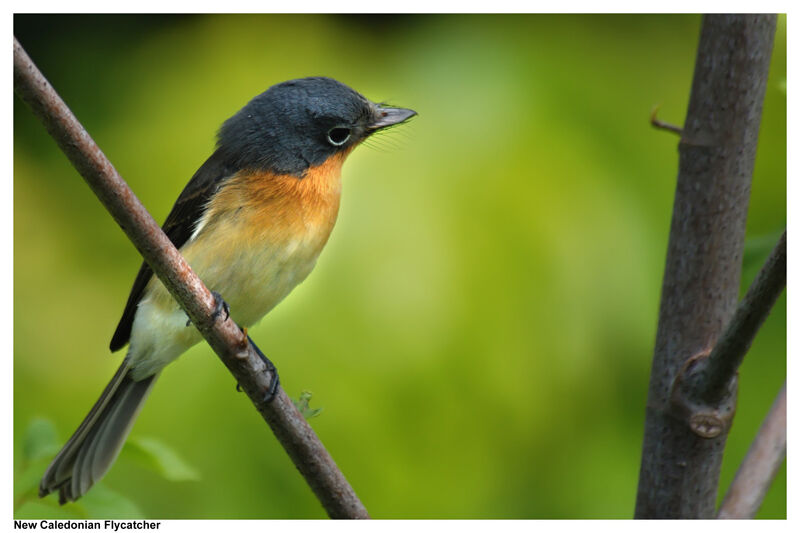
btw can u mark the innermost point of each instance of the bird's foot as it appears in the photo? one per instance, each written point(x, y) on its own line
point(220, 306)
point(273, 386)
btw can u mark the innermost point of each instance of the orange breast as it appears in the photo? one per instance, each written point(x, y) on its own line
point(279, 208)
point(261, 236)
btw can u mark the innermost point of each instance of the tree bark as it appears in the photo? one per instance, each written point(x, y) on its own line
point(708, 380)
point(684, 441)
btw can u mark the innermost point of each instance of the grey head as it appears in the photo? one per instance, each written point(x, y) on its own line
point(299, 124)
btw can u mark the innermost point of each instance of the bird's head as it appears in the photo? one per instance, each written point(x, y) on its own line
point(299, 124)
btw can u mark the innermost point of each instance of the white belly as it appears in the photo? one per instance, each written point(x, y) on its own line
point(252, 277)
point(259, 237)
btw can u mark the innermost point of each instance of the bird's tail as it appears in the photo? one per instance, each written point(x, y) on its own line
point(94, 446)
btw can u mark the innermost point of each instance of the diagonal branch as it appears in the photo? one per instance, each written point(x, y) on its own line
point(227, 340)
point(712, 376)
point(759, 467)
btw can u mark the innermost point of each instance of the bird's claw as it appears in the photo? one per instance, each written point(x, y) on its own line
point(220, 305)
point(273, 386)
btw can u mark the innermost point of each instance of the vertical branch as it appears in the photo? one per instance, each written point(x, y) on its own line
point(681, 460)
point(763, 459)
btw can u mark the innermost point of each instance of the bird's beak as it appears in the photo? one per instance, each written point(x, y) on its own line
point(389, 116)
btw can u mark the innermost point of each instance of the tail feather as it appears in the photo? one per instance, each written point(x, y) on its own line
point(92, 449)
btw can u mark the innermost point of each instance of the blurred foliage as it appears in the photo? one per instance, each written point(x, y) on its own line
point(480, 326)
point(40, 444)
point(303, 404)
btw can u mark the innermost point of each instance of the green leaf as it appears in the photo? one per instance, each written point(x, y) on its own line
point(36, 509)
point(41, 440)
point(26, 482)
point(303, 406)
point(39, 445)
point(102, 502)
point(161, 458)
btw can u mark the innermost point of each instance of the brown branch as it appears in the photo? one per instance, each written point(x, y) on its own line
point(226, 339)
point(760, 465)
point(682, 450)
point(660, 124)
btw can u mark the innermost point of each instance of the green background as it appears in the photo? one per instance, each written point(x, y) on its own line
point(478, 330)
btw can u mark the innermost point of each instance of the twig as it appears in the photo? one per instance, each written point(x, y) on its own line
point(226, 339)
point(715, 373)
point(760, 465)
point(656, 123)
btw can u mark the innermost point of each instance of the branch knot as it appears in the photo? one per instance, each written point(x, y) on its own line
point(706, 419)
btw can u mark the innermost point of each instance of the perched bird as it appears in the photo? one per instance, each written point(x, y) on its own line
point(251, 222)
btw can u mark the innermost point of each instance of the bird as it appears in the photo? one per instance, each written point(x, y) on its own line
point(251, 223)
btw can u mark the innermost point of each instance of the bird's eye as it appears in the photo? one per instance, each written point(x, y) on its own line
point(338, 136)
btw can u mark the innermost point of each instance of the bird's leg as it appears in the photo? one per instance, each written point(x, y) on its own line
point(220, 306)
point(273, 386)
